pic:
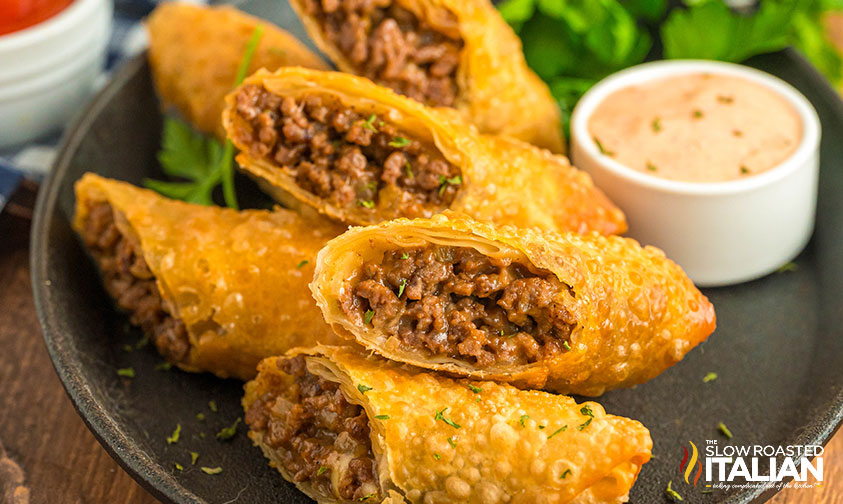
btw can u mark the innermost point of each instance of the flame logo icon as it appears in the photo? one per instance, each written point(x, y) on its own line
point(688, 468)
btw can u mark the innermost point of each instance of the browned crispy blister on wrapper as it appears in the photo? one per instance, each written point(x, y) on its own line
point(448, 53)
point(431, 438)
point(194, 53)
point(361, 154)
point(570, 313)
point(216, 289)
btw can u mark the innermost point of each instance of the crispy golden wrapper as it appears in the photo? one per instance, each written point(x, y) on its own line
point(636, 313)
point(236, 280)
point(496, 91)
point(491, 444)
point(503, 180)
point(194, 53)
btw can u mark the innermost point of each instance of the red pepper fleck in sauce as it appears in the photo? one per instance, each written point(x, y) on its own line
point(15, 15)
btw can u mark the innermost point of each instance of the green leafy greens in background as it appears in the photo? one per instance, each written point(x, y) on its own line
point(204, 162)
point(572, 44)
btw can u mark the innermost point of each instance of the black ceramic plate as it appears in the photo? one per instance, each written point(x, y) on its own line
point(778, 348)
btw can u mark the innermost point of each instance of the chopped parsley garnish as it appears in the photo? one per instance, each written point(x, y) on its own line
point(586, 410)
point(211, 470)
point(557, 431)
point(725, 99)
point(299, 265)
point(366, 203)
point(405, 255)
point(737, 133)
point(542, 427)
point(372, 185)
point(174, 437)
point(698, 113)
point(444, 182)
point(436, 456)
point(399, 142)
point(565, 474)
point(657, 124)
point(128, 348)
point(202, 435)
point(322, 470)
point(603, 149)
point(584, 424)
point(366, 497)
point(789, 266)
point(707, 491)
point(440, 415)
point(382, 417)
point(408, 169)
point(193, 458)
point(230, 431)
point(142, 343)
point(367, 317)
point(744, 170)
point(363, 388)
point(709, 377)
point(651, 167)
point(369, 123)
point(126, 372)
point(178, 466)
point(452, 442)
point(402, 286)
point(725, 430)
point(474, 388)
point(671, 493)
point(213, 406)
point(164, 366)
point(200, 417)
point(523, 418)
point(566, 346)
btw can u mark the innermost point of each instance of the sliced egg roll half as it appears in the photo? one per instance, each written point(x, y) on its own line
point(361, 154)
point(347, 426)
point(195, 51)
point(215, 289)
point(443, 53)
point(569, 313)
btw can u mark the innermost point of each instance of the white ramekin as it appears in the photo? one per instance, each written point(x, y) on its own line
point(48, 70)
point(720, 232)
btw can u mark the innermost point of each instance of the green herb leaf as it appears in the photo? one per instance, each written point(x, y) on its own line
point(725, 430)
point(143, 342)
point(174, 437)
point(698, 114)
point(602, 148)
point(369, 123)
point(709, 377)
point(211, 470)
point(299, 265)
point(367, 317)
point(193, 458)
point(408, 169)
point(399, 142)
point(436, 456)
point(322, 470)
point(164, 366)
point(440, 415)
point(565, 474)
point(405, 255)
point(657, 125)
point(382, 417)
point(671, 493)
point(366, 497)
point(566, 346)
point(402, 286)
point(363, 388)
point(523, 418)
point(452, 442)
point(651, 167)
point(557, 431)
point(366, 203)
point(126, 372)
point(128, 348)
point(789, 266)
point(200, 417)
point(585, 424)
point(229, 432)
point(178, 466)
point(213, 406)
point(474, 388)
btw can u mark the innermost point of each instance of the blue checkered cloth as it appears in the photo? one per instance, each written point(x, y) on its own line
point(34, 160)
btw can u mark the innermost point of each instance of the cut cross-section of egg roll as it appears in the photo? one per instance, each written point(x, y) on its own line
point(217, 290)
point(195, 51)
point(361, 154)
point(347, 427)
point(445, 53)
point(570, 313)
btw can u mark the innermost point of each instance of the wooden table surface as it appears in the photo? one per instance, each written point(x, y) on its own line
point(51, 457)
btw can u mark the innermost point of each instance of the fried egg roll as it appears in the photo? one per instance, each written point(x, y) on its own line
point(443, 53)
point(194, 53)
point(215, 289)
point(361, 154)
point(349, 427)
point(569, 313)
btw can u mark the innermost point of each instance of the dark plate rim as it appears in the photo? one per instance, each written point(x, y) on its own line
point(150, 475)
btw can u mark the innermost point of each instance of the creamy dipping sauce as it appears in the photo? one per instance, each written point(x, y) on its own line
point(697, 127)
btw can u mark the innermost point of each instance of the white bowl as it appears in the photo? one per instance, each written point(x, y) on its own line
point(48, 70)
point(721, 233)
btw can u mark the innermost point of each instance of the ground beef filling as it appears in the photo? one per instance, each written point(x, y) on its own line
point(349, 160)
point(318, 435)
point(459, 303)
point(391, 46)
point(129, 281)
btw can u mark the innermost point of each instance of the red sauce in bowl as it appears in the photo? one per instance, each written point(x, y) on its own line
point(16, 15)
